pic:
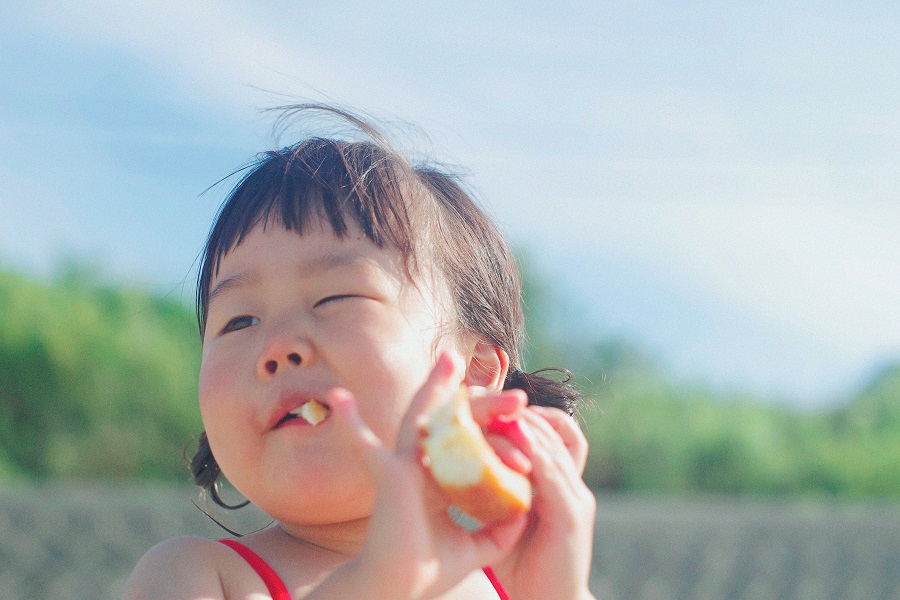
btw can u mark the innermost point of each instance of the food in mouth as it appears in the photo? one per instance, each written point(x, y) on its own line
point(311, 411)
point(468, 470)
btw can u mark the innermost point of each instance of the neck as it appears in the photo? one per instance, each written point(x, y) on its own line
point(343, 539)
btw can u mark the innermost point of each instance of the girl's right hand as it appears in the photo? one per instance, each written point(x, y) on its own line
point(413, 549)
point(553, 557)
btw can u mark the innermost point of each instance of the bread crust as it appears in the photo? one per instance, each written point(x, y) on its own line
point(468, 470)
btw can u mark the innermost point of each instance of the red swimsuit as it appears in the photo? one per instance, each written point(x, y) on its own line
point(279, 591)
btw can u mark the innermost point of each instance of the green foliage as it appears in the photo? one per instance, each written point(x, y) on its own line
point(100, 381)
point(650, 433)
point(94, 381)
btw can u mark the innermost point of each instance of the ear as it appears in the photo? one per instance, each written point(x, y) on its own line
point(487, 367)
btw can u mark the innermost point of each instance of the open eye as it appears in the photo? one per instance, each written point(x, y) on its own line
point(239, 323)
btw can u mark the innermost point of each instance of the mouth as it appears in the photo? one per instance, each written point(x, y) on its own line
point(311, 412)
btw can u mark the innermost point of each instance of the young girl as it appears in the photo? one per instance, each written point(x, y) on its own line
point(338, 275)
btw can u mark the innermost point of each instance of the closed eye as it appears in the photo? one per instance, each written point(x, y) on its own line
point(239, 323)
point(335, 298)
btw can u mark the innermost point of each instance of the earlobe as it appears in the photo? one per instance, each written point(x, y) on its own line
point(487, 367)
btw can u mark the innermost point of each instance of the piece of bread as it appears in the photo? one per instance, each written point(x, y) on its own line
point(314, 412)
point(468, 470)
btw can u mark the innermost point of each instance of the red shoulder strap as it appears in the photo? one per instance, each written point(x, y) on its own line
point(278, 590)
point(273, 582)
point(496, 583)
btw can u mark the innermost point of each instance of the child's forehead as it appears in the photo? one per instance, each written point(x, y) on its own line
point(319, 250)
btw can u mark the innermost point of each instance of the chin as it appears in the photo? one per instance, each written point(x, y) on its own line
point(310, 502)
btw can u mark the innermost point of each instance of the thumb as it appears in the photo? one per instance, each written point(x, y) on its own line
point(356, 434)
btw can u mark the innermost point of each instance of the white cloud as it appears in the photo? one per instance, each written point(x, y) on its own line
point(828, 269)
point(713, 162)
point(236, 57)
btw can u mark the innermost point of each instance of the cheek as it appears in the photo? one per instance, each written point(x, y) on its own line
point(224, 418)
point(214, 383)
point(392, 377)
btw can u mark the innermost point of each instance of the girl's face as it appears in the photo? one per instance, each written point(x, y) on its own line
point(290, 317)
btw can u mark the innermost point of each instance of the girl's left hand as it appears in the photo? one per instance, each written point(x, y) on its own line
point(413, 549)
point(552, 559)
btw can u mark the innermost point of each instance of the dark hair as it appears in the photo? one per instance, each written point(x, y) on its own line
point(419, 210)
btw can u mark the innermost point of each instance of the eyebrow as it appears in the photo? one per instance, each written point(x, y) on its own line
point(230, 283)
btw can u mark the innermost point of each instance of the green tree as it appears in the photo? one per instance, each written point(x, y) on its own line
point(94, 380)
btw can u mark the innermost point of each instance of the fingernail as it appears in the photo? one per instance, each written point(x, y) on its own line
point(340, 399)
point(446, 365)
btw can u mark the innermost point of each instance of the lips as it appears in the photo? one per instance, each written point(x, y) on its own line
point(308, 412)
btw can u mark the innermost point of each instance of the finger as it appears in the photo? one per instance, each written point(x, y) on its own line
point(494, 541)
point(396, 481)
point(509, 453)
point(502, 428)
point(356, 433)
point(562, 501)
point(442, 382)
point(486, 408)
point(555, 472)
point(507, 427)
point(568, 430)
point(547, 441)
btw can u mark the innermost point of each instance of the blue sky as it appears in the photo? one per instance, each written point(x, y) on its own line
point(721, 184)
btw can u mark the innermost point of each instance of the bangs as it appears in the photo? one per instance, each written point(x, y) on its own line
point(328, 181)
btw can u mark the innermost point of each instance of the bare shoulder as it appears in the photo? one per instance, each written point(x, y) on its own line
point(182, 568)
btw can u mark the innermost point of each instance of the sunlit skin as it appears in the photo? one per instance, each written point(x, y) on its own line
point(344, 310)
point(295, 317)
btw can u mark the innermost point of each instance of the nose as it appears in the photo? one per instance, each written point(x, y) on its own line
point(280, 355)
